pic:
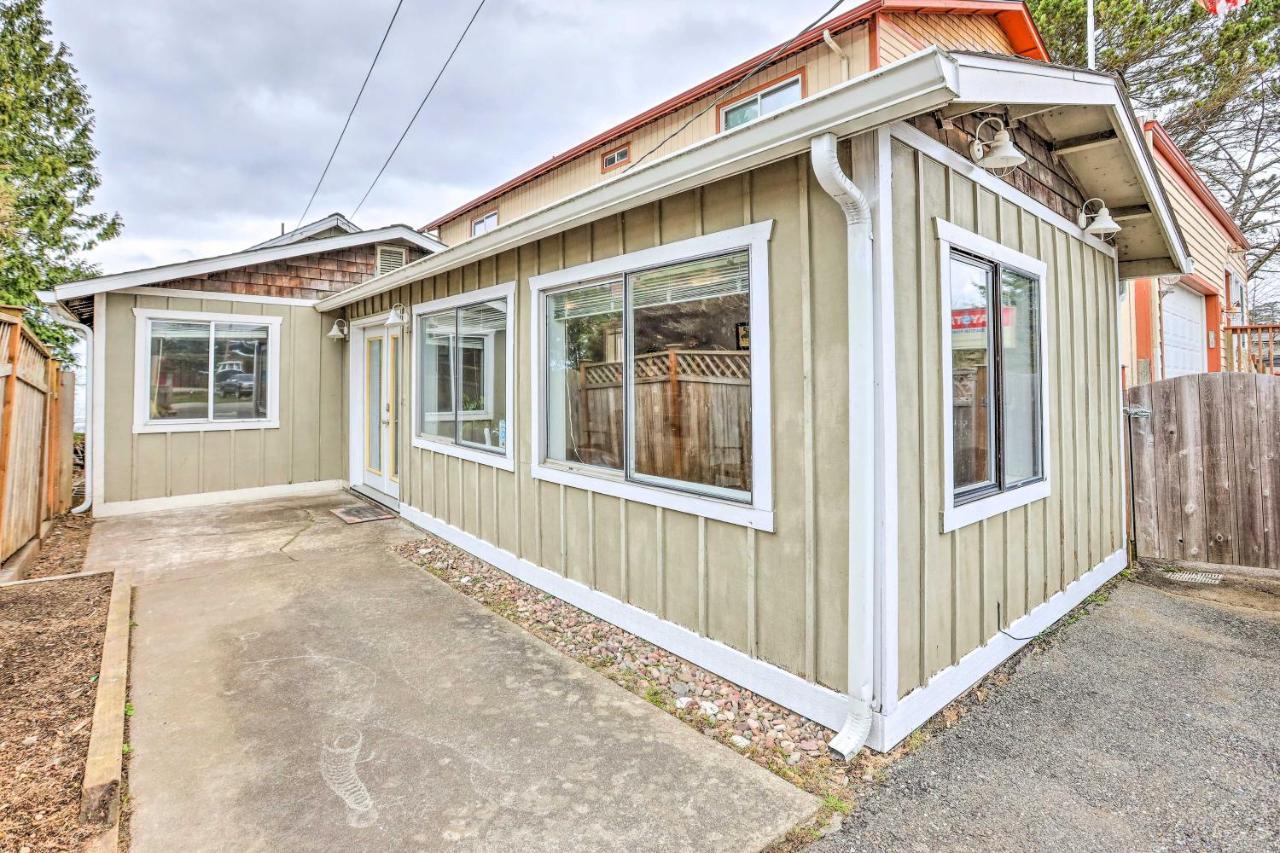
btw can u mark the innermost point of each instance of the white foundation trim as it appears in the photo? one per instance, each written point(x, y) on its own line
point(230, 496)
point(919, 705)
point(811, 700)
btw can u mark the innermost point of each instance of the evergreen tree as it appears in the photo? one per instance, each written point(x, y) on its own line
point(47, 171)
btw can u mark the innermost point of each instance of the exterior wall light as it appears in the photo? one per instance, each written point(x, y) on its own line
point(999, 155)
point(397, 317)
point(339, 330)
point(1099, 223)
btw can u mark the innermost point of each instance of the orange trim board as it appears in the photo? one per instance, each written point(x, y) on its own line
point(615, 149)
point(1013, 17)
point(1169, 150)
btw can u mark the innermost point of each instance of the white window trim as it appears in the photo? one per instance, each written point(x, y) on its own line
point(954, 517)
point(142, 422)
point(505, 460)
point(758, 95)
point(482, 219)
point(758, 513)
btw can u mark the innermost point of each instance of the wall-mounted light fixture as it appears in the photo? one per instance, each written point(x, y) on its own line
point(998, 154)
point(397, 317)
point(339, 330)
point(1098, 223)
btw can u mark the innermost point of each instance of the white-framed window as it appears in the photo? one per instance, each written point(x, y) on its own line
point(463, 381)
point(484, 224)
point(390, 258)
point(652, 376)
point(761, 102)
point(617, 157)
point(995, 387)
point(199, 371)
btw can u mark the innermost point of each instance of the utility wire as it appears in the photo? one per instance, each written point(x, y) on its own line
point(350, 113)
point(421, 104)
point(734, 87)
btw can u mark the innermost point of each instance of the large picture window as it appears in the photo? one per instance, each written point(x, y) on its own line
point(994, 378)
point(203, 371)
point(463, 361)
point(651, 382)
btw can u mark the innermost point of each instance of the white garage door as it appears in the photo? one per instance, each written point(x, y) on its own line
point(1184, 337)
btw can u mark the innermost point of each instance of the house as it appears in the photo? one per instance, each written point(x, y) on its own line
point(214, 376)
point(1178, 325)
point(743, 397)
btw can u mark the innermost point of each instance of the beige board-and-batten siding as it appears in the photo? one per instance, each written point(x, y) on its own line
point(949, 584)
point(308, 446)
point(780, 596)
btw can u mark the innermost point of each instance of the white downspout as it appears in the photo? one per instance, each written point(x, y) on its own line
point(88, 410)
point(862, 423)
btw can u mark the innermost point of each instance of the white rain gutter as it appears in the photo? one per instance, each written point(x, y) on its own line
point(862, 423)
point(68, 319)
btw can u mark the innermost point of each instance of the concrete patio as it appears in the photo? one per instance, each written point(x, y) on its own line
point(298, 686)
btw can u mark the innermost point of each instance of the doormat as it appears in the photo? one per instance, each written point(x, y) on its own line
point(357, 513)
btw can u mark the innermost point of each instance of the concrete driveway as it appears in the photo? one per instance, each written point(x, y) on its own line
point(1151, 724)
point(298, 686)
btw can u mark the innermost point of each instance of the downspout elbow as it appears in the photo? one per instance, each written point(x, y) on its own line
point(853, 202)
point(65, 318)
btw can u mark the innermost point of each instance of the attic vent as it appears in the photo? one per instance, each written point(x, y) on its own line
point(390, 258)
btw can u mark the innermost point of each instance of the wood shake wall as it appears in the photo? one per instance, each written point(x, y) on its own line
point(951, 583)
point(779, 596)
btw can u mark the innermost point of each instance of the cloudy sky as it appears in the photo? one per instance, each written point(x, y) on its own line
point(214, 117)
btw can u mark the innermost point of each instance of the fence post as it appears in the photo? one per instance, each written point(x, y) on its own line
point(12, 316)
point(674, 413)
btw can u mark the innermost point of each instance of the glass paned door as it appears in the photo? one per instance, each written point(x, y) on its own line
point(380, 418)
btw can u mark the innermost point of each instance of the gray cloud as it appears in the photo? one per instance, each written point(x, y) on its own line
point(215, 118)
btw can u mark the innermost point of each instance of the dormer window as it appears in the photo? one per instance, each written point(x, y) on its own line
point(390, 258)
point(484, 224)
point(617, 157)
point(762, 101)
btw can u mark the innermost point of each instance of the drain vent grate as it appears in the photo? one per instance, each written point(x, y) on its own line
point(1194, 577)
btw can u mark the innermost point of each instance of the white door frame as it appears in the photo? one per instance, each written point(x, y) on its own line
point(356, 475)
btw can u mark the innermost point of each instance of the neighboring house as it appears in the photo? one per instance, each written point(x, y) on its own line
point(743, 398)
point(215, 375)
point(1175, 325)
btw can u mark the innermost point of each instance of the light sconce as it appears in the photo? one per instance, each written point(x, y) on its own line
point(999, 154)
point(397, 317)
point(1099, 223)
point(339, 330)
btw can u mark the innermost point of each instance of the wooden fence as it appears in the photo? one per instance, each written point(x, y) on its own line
point(35, 435)
point(692, 418)
point(1205, 466)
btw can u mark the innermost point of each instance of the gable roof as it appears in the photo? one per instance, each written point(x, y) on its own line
point(1169, 150)
point(1070, 100)
point(303, 232)
point(1012, 15)
point(249, 257)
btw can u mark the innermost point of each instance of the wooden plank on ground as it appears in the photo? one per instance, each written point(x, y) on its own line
point(100, 793)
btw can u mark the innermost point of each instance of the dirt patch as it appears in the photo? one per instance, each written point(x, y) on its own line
point(1257, 594)
point(50, 647)
point(63, 550)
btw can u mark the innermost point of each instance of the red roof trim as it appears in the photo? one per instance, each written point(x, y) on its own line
point(1169, 149)
point(1014, 19)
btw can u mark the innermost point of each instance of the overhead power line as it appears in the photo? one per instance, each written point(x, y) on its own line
point(421, 104)
point(726, 93)
point(350, 113)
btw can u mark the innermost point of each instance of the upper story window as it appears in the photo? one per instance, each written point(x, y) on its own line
point(200, 371)
point(617, 157)
point(390, 258)
point(772, 96)
point(654, 377)
point(484, 224)
point(463, 358)
point(994, 382)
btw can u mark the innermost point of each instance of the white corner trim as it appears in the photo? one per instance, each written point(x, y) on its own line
point(953, 516)
point(142, 423)
point(759, 512)
point(216, 296)
point(98, 488)
point(915, 709)
point(818, 703)
point(935, 150)
point(230, 496)
point(506, 460)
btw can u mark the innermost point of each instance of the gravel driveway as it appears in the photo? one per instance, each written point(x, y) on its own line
point(1152, 724)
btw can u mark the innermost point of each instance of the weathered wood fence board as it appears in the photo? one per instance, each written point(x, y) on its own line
point(1205, 468)
point(35, 435)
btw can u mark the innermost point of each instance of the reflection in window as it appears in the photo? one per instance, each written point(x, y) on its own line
point(675, 409)
point(996, 368)
point(203, 371)
point(462, 375)
point(435, 374)
point(760, 103)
